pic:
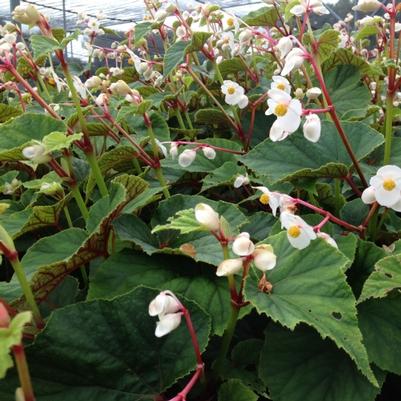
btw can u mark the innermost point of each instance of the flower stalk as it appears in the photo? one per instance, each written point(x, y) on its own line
point(23, 372)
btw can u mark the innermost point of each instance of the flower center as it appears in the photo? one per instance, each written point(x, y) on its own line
point(264, 199)
point(230, 22)
point(281, 86)
point(388, 184)
point(294, 231)
point(231, 90)
point(281, 110)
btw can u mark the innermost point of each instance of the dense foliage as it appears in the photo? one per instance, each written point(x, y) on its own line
point(208, 210)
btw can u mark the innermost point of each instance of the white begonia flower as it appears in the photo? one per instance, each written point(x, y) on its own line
point(387, 186)
point(367, 6)
point(368, 195)
point(281, 83)
point(294, 59)
point(326, 237)
point(242, 245)
point(269, 198)
point(28, 14)
point(232, 22)
point(163, 304)
point(234, 94)
point(173, 150)
point(102, 100)
point(186, 158)
point(167, 323)
point(315, 6)
point(284, 46)
point(245, 36)
point(299, 233)
point(207, 217)
point(229, 266)
point(241, 180)
point(287, 203)
point(160, 15)
point(93, 82)
point(312, 127)
point(36, 153)
point(115, 71)
point(277, 133)
point(264, 257)
point(120, 88)
point(209, 152)
point(287, 110)
point(313, 93)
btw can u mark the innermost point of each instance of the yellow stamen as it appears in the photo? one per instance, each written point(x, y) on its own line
point(51, 81)
point(294, 231)
point(230, 21)
point(389, 184)
point(264, 199)
point(231, 90)
point(281, 110)
point(281, 86)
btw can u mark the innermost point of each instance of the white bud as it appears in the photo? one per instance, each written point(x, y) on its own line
point(173, 150)
point(163, 304)
point(241, 180)
point(120, 88)
point(313, 93)
point(312, 127)
point(209, 153)
point(327, 238)
point(186, 158)
point(242, 245)
point(101, 100)
point(93, 82)
point(264, 257)
point(36, 153)
point(368, 195)
point(229, 266)
point(28, 14)
point(19, 394)
point(299, 93)
point(367, 6)
point(50, 188)
point(167, 323)
point(207, 216)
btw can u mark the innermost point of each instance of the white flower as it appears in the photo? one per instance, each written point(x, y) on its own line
point(312, 127)
point(160, 15)
point(229, 266)
point(102, 100)
point(93, 82)
point(368, 195)
point(294, 59)
point(287, 110)
point(11, 187)
point(28, 14)
point(315, 6)
point(241, 180)
point(231, 22)
point(367, 6)
point(284, 46)
point(167, 323)
point(115, 71)
point(163, 304)
point(277, 133)
point(386, 185)
point(242, 245)
point(186, 158)
point(120, 88)
point(234, 94)
point(326, 237)
point(269, 198)
point(36, 153)
point(207, 217)
point(245, 36)
point(313, 93)
point(79, 87)
point(10, 38)
point(281, 83)
point(299, 233)
point(264, 257)
point(209, 152)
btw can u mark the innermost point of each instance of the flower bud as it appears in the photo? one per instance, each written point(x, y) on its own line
point(264, 257)
point(368, 195)
point(28, 14)
point(312, 127)
point(173, 150)
point(120, 88)
point(167, 323)
point(241, 180)
point(52, 188)
point(36, 153)
point(4, 316)
point(229, 266)
point(209, 153)
point(19, 394)
point(163, 304)
point(299, 93)
point(93, 82)
point(367, 6)
point(186, 158)
point(327, 238)
point(207, 217)
point(313, 93)
point(242, 245)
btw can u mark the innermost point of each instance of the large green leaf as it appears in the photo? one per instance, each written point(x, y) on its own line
point(264, 16)
point(380, 323)
point(124, 271)
point(299, 366)
point(385, 278)
point(309, 286)
point(19, 132)
point(295, 157)
point(106, 350)
point(43, 45)
point(235, 390)
point(174, 56)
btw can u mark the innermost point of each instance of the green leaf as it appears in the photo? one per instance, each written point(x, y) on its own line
point(184, 221)
point(380, 324)
point(365, 31)
point(309, 286)
point(22, 130)
point(293, 157)
point(350, 96)
point(327, 43)
point(231, 66)
point(59, 140)
point(211, 116)
point(223, 175)
point(196, 281)
point(174, 56)
point(264, 16)
point(235, 390)
point(385, 278)
point(142, 29)
point(299, 366)
point(115, 357)
point(198, 40)
point(43, 45)
point(7, 112)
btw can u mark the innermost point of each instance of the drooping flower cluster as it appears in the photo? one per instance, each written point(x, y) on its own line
point(167, 308)
point(385, 188)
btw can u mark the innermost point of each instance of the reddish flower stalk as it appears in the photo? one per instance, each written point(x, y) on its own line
point(23, 372)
